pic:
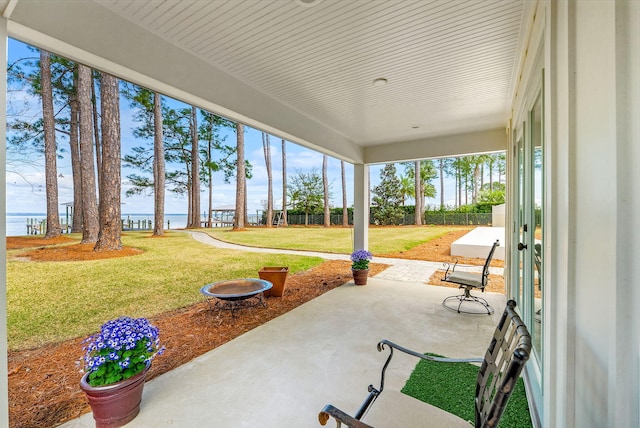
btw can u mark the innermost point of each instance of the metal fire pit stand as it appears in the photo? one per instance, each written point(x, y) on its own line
point(236, 294)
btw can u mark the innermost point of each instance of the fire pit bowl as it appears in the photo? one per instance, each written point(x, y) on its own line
point(236, 289)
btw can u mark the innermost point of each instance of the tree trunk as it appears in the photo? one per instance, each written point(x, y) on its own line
point(476, 180)
point(51, 168)
point(96, 131)
point(246, 204)
point(459, 182)
point(345, 211)
point(441, 184)
point(369, 191)
point(266, 147)
point(491, 174)
point(89, 204)
point(189, 194)
point(325, 186)
point(466, 189)
point(241, 209)
point(284, 184)
point(417, 190)
point(74, 149)
point(110, 183)
point(158, 167)
point(210, 173)
point(195, 169)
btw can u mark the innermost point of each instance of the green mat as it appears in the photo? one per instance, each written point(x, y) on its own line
point(452, 387)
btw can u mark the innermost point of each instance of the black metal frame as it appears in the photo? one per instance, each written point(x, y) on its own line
point(467, 296)
point(502, 364)
point(235, 305)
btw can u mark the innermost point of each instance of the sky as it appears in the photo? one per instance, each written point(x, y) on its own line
point(25, 190)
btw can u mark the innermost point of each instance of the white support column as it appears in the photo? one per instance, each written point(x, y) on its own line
point(4, 383)
point(624, 378)
point(360, 206)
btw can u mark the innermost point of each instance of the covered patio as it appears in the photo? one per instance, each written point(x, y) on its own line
point(284, 372)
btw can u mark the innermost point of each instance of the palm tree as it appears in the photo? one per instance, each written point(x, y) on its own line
point(406, 188)
point(51, 169)
point(241, 190)
point(110, 183)
point(89, 204)
point(501, 164)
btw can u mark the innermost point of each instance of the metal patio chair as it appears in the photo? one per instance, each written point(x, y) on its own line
point(469, 281)
point(501, 367)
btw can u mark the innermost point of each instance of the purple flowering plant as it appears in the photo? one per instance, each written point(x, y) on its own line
point(360, 259)
point(121, 349)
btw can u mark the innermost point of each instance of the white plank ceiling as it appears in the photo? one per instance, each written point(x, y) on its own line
point(449, 64)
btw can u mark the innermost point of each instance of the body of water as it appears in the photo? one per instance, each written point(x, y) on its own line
point(17, 222)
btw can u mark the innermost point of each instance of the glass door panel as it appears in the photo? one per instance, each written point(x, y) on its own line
point(528, 236)
point(537, 239)
point(520, 221)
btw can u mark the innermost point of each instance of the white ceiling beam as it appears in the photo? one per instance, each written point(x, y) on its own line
point(437, 147)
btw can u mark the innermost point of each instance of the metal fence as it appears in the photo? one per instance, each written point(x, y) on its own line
point(439, 218)
point(465, 219)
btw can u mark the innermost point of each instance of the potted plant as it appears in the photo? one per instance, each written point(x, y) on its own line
point(116, 363)
point(360, 266)
point(276, 275)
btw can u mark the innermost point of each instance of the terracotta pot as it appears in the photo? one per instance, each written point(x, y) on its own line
point(277, 275)
point(116, 404)
point(360, 276)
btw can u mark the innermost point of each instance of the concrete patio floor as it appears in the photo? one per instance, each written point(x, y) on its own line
point(282, 373)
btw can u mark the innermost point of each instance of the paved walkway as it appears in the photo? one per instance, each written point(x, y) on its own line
point(400, 270)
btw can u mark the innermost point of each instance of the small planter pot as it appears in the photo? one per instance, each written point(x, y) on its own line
point(360, 276)
point(117, 404)
point(277, 275)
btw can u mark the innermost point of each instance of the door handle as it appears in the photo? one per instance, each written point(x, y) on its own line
point(521, 246)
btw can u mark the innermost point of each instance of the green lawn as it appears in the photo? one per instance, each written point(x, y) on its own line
point(382, 240)
point(54, 301)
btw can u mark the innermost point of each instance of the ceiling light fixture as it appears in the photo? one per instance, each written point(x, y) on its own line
point(308, 3)
point(380, 81)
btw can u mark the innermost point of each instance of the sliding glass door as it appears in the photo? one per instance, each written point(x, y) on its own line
point(527, 271)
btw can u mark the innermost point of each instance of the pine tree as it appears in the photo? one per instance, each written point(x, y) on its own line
point(388, 197)
point(110, 171)
point(241, 180)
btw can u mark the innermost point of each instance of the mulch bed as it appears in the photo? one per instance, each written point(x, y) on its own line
point(44, 382)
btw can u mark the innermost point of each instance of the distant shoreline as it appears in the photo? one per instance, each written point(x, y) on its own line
point(20, 214)
point(16, 223)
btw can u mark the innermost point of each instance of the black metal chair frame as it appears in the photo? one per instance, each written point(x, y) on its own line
point(501, 367)
point(469, 281)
